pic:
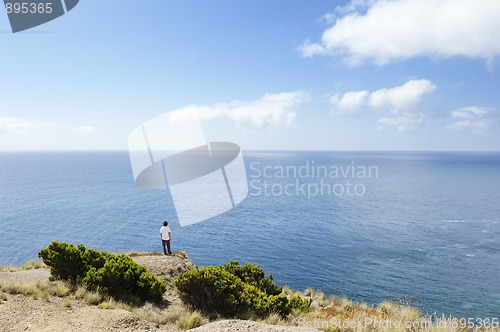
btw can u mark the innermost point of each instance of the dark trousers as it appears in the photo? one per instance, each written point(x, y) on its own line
point(167, 242)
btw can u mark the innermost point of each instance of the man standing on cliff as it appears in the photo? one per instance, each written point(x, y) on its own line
point(165, 237)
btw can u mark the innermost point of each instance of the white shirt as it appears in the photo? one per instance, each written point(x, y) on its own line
point(165, 233)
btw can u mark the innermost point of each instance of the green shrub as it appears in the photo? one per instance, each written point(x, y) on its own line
point(65, 260)
point(264, 304)
point(121, 278)
point(254, 275)
point(212, 288)
point(232, 290)
point(296, 302)
point(114, 275)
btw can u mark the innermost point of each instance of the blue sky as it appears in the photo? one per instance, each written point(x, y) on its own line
point(320, 75)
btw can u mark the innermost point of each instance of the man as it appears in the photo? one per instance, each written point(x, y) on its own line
point(165, 237)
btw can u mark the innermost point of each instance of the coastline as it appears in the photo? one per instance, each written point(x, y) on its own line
point(30, 302)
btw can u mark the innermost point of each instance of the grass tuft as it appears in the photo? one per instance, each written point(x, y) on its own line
point(61, 289)
point(79, 292)
point(33, 265)
point(173, 314)
point(157, 315)
point(29, 265)
point(92, 298)
point(274, 319)
point(191, 320)
point(17, 288)
point(9, 268)
point(108, 304)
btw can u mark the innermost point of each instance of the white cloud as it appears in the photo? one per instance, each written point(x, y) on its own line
point(354, 6)
point(402, 102)
point(398, 30)
point(472, 118)
point(406, 97)
point(309, 49)
point(328, 18)
point(470, 113)
point(10, 125)
point(350, 7)
point(351, 102)
point(85, 130)
point(403, 122)
point(273, 110)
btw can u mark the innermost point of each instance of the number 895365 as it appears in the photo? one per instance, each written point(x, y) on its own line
point(28, 8)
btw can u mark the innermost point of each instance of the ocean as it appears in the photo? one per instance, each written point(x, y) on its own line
point(419, 227)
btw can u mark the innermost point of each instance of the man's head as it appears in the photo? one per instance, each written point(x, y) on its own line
point(165, 223)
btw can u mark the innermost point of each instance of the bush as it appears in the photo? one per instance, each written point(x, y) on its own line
point(114, 275)
point(232, 290)
point(121, 277)
point(296, 302)
point(212, 288)
point(65, 260)
point(254, 275)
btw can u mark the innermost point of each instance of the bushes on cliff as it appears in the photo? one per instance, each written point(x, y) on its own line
point(233, 290)
point(114, 275)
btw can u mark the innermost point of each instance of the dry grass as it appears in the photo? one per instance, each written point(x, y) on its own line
point(3, 296)
point(347, 315)
point(18, 288)
point(158, 315)
point(79, 292)
point(61, 289)
point(9, 268)
point(92, 298)
point(350, 316)
point(275, 319)
point(29, 265)
point(33, 265)
point(173, 315)
point(191, 320)
point(109, 304)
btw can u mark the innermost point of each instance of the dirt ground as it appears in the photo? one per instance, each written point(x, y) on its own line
point(24, 313)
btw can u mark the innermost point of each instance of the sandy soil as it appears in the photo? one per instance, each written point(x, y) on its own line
point(23, 313)
point(247, 326)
